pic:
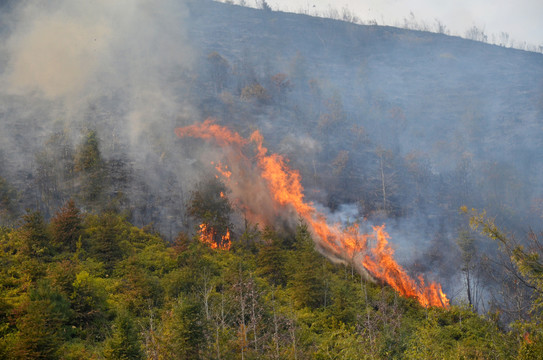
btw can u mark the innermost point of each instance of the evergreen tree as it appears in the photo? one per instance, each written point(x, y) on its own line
point(36, 241)
point(89, 167)
point(66, 227)
point(183, 335)
point(104, 234)
point(8, 196)
point(124, 343)
point(41, 329)
point(306, 284)
point(210, 206)
point(271, 258)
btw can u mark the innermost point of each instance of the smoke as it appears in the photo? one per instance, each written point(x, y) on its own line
point(382, 124)
point(122, 57)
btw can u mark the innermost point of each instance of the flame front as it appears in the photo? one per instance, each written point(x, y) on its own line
point(285, 189)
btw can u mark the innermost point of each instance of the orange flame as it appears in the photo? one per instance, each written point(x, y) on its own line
point(223, 170)
point(207, 236)
point(284, 186)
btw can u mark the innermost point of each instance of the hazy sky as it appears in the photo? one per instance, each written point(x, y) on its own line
point(522, 19)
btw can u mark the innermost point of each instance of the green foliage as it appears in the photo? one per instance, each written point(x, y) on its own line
point(183, 334)
point(208, 207)
point(66, 227)
point(41, 328)
point(124, 343)
point(527, 268)
point(271, 258)
point(104, 235)
point(89, 167)
point(89, 303)
point(8, 196)
point(271, 297)
point(35, 238)
point(306, 280)
point(458, 334)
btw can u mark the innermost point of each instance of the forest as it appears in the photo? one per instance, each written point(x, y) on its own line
point(140, 218)
point(93, 286)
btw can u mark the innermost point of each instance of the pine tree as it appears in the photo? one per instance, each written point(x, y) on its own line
point(183, 334)
point(89, 166)
point(104, 234)
point(210, 206)
point(306, 281)
point(42, 328)
point(7, 201)
point(124, 344)
point(36, 241)
point(271, 258)
point(66, 227)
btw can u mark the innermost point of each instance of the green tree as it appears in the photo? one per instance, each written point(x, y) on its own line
point(466, 243)
point(42, 327)
point(66, 227)
point(89, 166)
point(8, 196)
point(527, 268)
point(105, 232)
point(210, 206)
point(271, 258)
point(306, 281)
point(88, 298)
point(183, 334)
point(124, 343)
point(36, 241)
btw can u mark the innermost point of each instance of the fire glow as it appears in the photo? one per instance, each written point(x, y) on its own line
point(370, 251)
point(208, 235)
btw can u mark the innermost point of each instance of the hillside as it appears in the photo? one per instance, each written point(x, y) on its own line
point(454, 95)
point(124, 109)
point(96, 287)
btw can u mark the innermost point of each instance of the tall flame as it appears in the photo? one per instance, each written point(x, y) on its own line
point(285, 189)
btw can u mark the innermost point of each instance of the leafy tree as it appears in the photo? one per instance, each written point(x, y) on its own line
point(458, 334)
point(466, 243)
point(527, 269)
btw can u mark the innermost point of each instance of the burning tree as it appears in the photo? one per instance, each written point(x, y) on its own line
point(280, 188)
point(211, 208)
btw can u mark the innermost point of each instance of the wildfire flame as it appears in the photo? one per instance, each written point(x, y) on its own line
point(208, 235)
point(223, 170)
point(285, 189)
